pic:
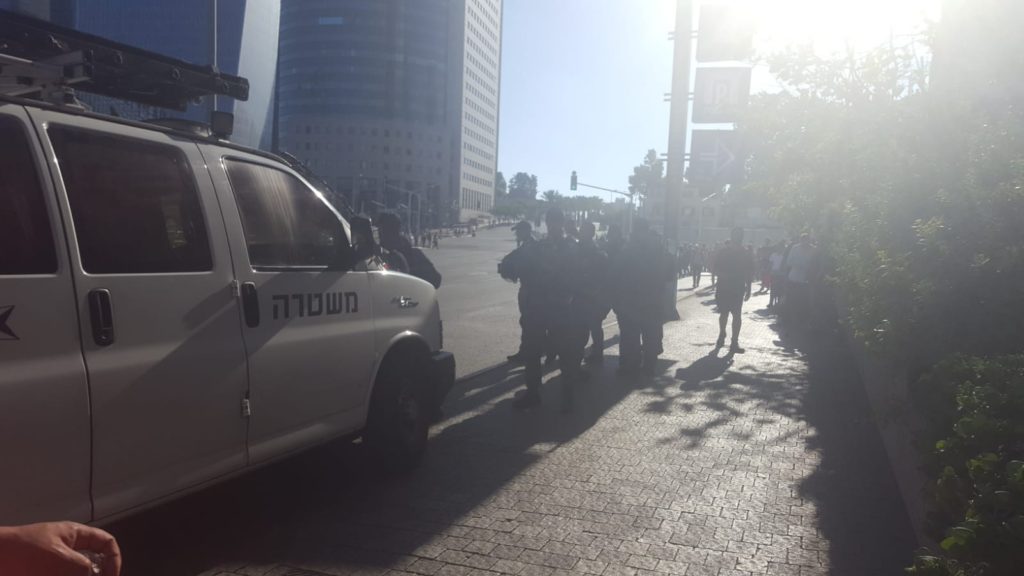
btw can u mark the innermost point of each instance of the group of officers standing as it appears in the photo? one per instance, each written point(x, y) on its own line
point(568, 283)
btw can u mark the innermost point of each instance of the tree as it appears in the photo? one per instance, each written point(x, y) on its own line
point(500, 187)
point(523, 186)
point(916, 196)
point(649, 177)
point(553, 197)
point(508, 211)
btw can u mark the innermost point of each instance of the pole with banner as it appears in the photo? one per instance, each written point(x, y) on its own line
point(678, 119)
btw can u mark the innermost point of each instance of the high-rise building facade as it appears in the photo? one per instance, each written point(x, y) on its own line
point(246, 45)
point(477, 79)
point(372, 94)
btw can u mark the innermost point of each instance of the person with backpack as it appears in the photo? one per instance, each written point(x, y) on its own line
point(412, 260)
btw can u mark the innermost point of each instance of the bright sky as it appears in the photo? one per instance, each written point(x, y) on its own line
point(583, 81)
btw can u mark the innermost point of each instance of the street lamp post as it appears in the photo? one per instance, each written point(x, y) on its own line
point(408, 205)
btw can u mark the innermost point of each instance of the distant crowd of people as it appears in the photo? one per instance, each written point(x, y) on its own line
point(426, 240)
point(569, 282)
point(781, 267)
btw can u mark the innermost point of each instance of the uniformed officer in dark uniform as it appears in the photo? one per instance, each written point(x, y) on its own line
point(640, 273)
point(510, 268)
point(548, 271)
point(596, 301)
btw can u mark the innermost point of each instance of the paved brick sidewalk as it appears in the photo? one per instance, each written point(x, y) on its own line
point(764, 463)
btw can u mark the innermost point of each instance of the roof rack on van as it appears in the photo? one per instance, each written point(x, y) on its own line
point(45, 61)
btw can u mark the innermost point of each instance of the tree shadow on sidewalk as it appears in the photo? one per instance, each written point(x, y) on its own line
point(800, 394)
point(861, 510)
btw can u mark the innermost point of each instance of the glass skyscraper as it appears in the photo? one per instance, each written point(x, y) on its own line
point(375, 95)
point(246, 45)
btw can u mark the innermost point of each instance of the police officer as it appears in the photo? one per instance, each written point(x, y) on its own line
point(402, 256)
point(550, 278)
point(594, 289)
point(640, 273)
point(613, 242)
point(510, 269)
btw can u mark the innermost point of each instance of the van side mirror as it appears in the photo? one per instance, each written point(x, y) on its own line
point(363, 244)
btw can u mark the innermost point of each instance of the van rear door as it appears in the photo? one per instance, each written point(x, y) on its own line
point(158, 315)
point(44, 398)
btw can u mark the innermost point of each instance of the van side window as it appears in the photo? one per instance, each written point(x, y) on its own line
point(134, 203)
point(26, 240)
point(286, 224)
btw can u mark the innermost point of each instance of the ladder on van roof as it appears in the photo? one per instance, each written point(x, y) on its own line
point(47, 62)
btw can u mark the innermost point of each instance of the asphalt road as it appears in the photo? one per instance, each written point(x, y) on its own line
point(481, 318)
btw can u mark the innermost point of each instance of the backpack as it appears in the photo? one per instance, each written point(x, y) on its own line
point(421, 267)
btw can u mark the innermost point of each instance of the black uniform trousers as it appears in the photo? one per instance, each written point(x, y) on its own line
point(555, 329)
point(640, 338)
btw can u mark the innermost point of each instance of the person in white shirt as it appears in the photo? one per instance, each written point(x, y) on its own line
point(778, 278)
point(798, 264)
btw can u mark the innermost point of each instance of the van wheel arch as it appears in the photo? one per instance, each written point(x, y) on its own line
point(399, 410)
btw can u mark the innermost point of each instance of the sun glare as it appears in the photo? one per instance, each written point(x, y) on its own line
point(833, 25)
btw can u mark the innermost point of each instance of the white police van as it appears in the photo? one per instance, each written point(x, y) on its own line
point(174, 309)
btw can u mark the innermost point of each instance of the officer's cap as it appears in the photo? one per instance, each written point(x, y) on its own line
point(522, 225)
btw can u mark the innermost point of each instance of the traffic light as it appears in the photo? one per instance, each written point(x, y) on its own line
point(572, 181)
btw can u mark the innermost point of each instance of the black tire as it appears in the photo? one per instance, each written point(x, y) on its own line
point(399, 418)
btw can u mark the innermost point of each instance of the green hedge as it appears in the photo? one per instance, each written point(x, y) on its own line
point(975, 407)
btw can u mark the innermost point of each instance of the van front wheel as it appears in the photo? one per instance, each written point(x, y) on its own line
point(399, 416)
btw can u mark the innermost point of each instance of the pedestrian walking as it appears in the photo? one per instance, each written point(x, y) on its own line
point(764, 266)
point(639, 274)
point(683, 255)
point(713, 262)
point(778, 278)
point(735, 266)
point(798, 263)
point(697, 265)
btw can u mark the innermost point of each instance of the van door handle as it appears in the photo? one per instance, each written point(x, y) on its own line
point(101, 316)
point(404, 302)
point(250, 304)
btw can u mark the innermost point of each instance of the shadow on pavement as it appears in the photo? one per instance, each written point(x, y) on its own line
point(329, 510)
point(804, 387)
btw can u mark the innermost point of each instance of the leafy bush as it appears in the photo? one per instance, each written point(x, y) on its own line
point(917, 199)
point(910, 174)
point(975, 407)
